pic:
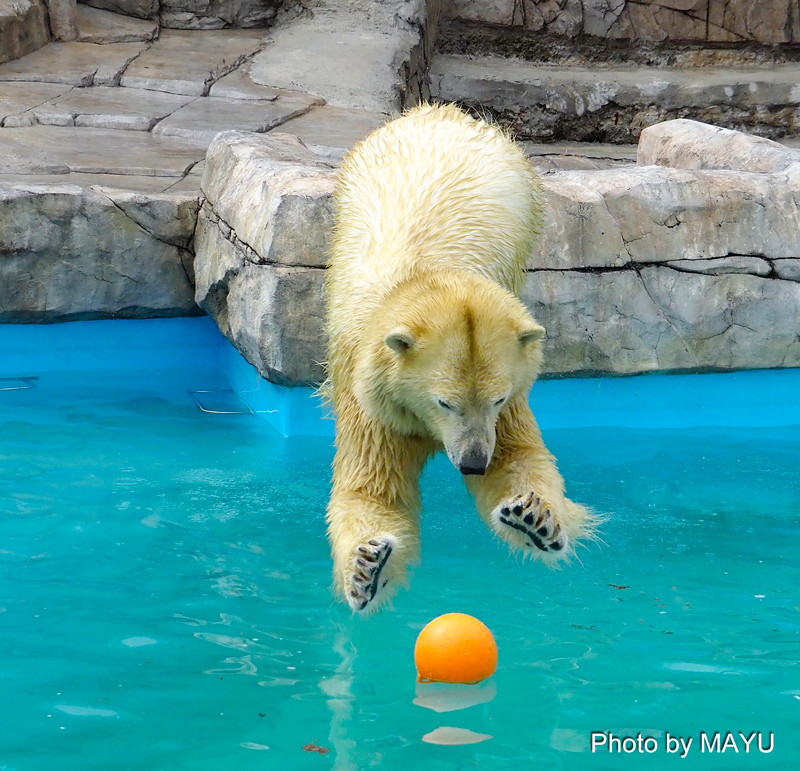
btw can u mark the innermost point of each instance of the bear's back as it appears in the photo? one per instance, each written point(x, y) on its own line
point(434, 189)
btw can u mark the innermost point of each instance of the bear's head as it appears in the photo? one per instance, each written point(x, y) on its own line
point(449, 351)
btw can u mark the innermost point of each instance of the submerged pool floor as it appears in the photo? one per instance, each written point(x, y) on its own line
point(165, 601)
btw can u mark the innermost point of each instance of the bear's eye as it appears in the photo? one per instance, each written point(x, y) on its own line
point(445, 405)
point(500, 401)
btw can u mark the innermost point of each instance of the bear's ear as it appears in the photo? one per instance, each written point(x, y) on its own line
point(531, 334)
point(400, 340)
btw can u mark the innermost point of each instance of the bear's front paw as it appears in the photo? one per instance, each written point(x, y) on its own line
point(529, 521)
point(368, 576)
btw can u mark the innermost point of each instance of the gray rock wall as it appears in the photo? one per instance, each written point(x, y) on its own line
point(23, 28)
point(591, 103)
point(639, 269)
point(68, 253)
point(200, 14)
point(359, 54)
point(261, 244)
point(715, 21)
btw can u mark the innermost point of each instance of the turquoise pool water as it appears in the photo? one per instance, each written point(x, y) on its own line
point(165, 603)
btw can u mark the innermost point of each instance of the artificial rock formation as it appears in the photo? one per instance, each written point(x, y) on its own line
point(729, 21)
point(199, 14)
point(73, 253)
point(94, 134)
point(613, 103)
point(640, 269)
point(261, 244)
point(23, 28)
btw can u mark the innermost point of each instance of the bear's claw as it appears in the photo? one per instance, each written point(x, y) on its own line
point(534, 518)
point(370, 559)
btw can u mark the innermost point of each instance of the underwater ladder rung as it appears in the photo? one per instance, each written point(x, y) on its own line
point(18, 383)
point(222, 402)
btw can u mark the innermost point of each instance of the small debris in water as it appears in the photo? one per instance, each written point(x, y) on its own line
point(619, 586)
point(311, 747)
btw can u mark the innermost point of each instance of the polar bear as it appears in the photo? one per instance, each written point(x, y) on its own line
point(430, 347)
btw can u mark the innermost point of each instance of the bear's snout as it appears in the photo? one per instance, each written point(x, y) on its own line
point(473, 463)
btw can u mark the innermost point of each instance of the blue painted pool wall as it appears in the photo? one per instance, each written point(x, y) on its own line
point(290, 411)
point(195, 348)
point(149, 345)
point(752, 398)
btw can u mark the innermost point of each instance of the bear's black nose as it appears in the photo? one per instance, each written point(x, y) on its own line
point(473, 464)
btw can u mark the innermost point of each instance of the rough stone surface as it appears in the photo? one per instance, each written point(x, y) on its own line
point(688, 144)
point(202, 119)
point(660, 319)
point(581, 104)
point(18, 98)
point(261, 242)
point(649, 215)
point(489, 11)
point(75, 64)
point(72, 253)
point(176, 63)
point(728, 21)
point(141, 9)
point(332, 131)
point(272, 314)
point(770, 23)
point(63, 19)
point(217, 14)
point(203, 14)
point(384, 35)
point(23, 28)
point(134, 191)
point(573, 156)
point(60, 138)
point(55, 150)
point(103, 27)
point(123, 182)
point(669, 269)
point(274, 195)
point(240, 85)
point(104, 107)
point(373, 86)
point(189, 183)
point(639, 269)
point(467, 38)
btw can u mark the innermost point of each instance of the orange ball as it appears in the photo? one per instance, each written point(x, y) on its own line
point(455, 648)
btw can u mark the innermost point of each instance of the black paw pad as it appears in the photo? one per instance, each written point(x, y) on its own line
point(529, 515)
point(368, 562)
